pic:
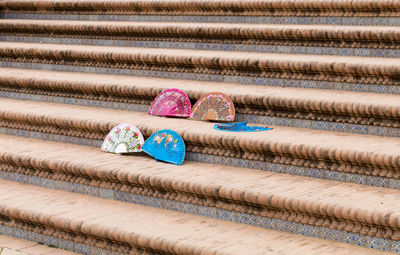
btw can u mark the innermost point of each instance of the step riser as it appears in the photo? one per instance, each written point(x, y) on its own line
point(392, 183)
point(77, 101)
point(267, 119)
point(289, 35)
point(320, 125)
point(190, 208)
point(83, 244)
point(358, 87)
point(301, 20)
point(37, 237)
point(312, 50)
point(222, 66)
point(266, 38)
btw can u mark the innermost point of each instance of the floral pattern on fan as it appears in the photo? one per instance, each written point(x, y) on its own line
point(166, 145)
point(171, 102)
point(214, 106)
point(158, 138)
point(123, 138)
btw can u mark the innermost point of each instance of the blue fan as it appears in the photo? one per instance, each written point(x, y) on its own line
point(239, 127)
point(166, 145)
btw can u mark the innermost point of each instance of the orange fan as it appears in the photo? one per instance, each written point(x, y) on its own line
point(214, 106)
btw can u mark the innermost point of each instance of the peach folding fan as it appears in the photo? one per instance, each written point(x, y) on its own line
point(214, 106)
point(171, 102)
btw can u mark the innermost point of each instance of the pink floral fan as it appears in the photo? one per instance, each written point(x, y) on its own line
point(171, 102)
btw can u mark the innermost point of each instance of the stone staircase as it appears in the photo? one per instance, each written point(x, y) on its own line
point(325, 180)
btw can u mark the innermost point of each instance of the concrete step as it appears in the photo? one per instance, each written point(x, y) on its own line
point(362, 159)
point(286, 70)
point(378, 41)
point(308, 206)
point(351, 112)
point(342, 12)
point(94, 224)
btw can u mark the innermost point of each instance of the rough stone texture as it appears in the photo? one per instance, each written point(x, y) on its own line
point(13, 246)
point(350, 210)
point(6, 251)
point(133, 226)
point(327, 150)
point(367, 70)
point(210, 7)
point(272, 34)
point(304, 200)
point(311, 104)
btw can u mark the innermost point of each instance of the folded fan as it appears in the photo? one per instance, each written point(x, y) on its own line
point(123, 138)
point(214, 106)
point(239, 127)
point(171, 102)
point(166, 145)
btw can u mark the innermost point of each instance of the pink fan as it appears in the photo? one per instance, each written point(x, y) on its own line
point(171, 102)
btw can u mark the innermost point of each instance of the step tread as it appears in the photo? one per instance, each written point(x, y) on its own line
point(154, 228)
point(330, 100)
point(197, 55)
point(237, 184)
point(87, 117)
point(144, 24)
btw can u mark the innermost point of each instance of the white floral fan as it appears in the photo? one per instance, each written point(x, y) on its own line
point(123, 138)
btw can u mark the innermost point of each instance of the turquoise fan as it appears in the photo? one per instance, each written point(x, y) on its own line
point(123, 138)
point(166, 145)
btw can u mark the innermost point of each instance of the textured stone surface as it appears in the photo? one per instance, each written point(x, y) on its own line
point(283, 46)
point(290, 35)
point(13, 246)
point(210, 7)
point(6, 251)
point(269, 19)
point(309, 104)
point(365, 70)
point(143, 41)
point(133, 226)
point(327, 150)
point(303, 200)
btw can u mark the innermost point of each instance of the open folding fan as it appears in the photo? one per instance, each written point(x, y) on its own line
point(166, 145)
point(239, 127)
point(123, 138)
point(214, 106)
point(171, 102)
